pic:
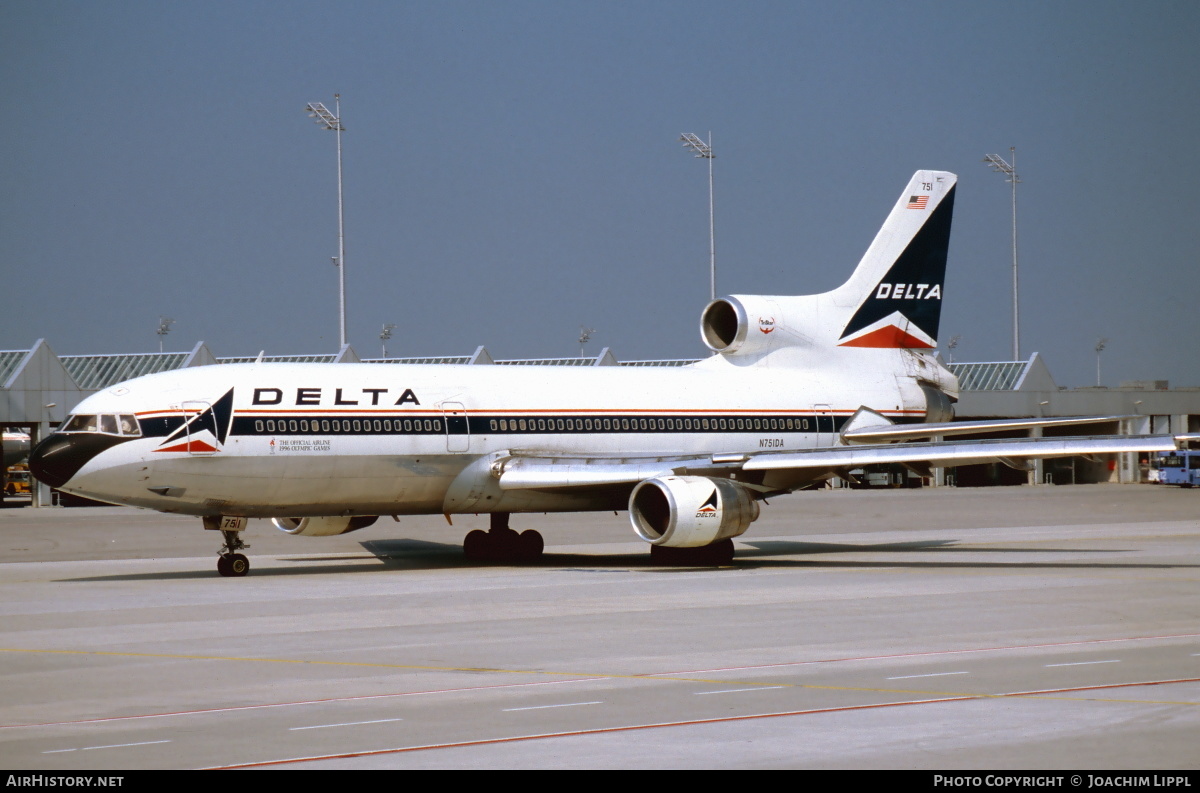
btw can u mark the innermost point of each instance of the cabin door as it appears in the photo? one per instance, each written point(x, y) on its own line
point(200, 428)
point(824, 429)
point(458, 429)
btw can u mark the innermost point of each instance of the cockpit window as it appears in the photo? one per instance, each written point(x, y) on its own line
point(81, 423)
point(108, 423)
point(129, 424)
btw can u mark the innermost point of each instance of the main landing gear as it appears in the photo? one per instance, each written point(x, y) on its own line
point(718, 554)
point(502, 544)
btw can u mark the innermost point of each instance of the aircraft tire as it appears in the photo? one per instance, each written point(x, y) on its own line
point(503, 545)
point(531, 545)
point(718, 554)
point(476, 545)
point(721, 552)
point(233, 565)
point(239, 565)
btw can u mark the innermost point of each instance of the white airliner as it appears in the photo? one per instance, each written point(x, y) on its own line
point(799, 389)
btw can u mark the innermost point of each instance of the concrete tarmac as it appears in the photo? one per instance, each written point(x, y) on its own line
point(1003, 628)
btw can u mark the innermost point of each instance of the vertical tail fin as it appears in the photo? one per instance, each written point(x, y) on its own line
point(896, 291)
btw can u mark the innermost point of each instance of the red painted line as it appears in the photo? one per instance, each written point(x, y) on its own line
point(1073, 689)
point(573, 733)
point(692, 723)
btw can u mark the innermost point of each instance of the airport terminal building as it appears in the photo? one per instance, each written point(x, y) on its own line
point(39, 389)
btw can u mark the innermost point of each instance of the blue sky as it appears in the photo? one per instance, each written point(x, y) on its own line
point(513, 171)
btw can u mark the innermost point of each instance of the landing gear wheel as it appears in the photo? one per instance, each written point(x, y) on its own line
point(239, 565)
point(531, 545)
point(502, 544)
point(231, 563)
point(718, 554)
point(476, 545)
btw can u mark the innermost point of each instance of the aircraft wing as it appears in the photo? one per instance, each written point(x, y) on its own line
point(948, 454)
point(532, 470)
point(867, 426)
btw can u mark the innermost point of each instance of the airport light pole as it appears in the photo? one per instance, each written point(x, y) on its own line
point(584, 335)
point(704, 151)
point(164, 327)
point(326, 120)
point(1000, 166)
point(1100, 343)
point(384, 335)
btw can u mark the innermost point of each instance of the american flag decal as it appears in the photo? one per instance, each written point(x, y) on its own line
point(917, 201)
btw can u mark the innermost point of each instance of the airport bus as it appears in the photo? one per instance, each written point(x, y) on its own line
point(1180, 467)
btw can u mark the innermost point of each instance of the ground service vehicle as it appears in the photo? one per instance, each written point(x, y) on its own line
point(17, 481)
point(1180, 467)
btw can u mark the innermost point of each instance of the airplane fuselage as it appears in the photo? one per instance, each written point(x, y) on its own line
point(269, 440)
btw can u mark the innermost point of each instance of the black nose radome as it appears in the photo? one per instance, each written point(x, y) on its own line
point(59, 457)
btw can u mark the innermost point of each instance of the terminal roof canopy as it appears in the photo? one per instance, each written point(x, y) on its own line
point(1031, 375)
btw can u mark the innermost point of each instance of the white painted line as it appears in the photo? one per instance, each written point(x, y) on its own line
point(122, 745)
point(934, 674)
point(564, 705)
point(344, 724)
point(1085, 663)
point(737, 690)
point(57, 751)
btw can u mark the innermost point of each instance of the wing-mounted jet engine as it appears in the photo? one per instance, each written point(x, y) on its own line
point(691, 513)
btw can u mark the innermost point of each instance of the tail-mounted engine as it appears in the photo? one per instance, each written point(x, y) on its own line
point(323, 527)
point(690, 511)
point(741, 324)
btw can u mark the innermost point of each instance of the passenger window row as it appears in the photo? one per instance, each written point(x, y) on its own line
point(338, 426)
point(482, 425)
point(650, 424)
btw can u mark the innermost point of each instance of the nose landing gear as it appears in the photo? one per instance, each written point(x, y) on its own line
point(231, 563)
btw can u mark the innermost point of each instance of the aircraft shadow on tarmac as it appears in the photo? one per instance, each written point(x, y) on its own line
point(408, 554)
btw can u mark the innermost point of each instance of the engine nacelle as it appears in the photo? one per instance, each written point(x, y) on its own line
point(690, 511)
point(744, 324)
point(323, 527)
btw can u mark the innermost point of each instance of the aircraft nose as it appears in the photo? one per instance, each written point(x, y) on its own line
point(59, 457)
